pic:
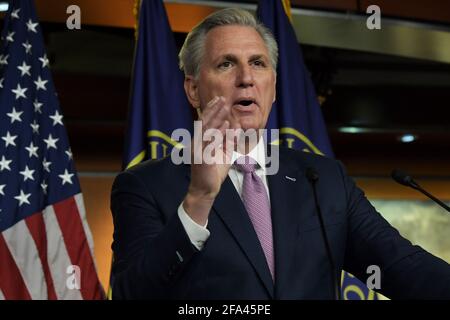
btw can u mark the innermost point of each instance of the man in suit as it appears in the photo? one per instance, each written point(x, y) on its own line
point(230, 230)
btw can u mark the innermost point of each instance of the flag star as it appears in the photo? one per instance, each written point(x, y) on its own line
point(15, 116)
point(66, 177)
point(20, 92)
point(24, 69)
point(35, 127)
point(4, 59)
point(2, 187)
point(46, 165)
point(32, 26)
point(4, 164)
point(27, 174)
point(32, 150)
point(44, 61)
point(37, 106)
point(27, 46)
point(51, 142)
point(44, 187)
point(40, 84)
point(23, 198)
point(69, 153)
point(57, 118)
point(9, 37)
point(15, 14)
point(9, 139)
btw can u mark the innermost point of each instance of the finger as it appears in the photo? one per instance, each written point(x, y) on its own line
point(212, 152)
point(212, 107)
point(218, 132)
point(217, 119)
point(217, 136)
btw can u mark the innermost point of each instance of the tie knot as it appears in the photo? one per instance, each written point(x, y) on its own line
point(245, 164)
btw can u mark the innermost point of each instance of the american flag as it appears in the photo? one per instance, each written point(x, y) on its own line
point(46, 248)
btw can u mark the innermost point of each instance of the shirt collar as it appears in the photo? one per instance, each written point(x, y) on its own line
point(258, 154)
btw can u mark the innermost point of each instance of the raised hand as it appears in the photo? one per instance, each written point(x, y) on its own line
point(207, 176)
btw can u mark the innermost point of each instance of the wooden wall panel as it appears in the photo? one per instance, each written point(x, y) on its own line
point(350, 5)
point(388, 189)
point(368, 164)
point(119, 13)
point(183, 17)
point(436, 10)
point(114, 13)
point(96, 193)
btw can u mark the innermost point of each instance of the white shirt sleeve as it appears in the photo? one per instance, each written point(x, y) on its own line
point(197, 234)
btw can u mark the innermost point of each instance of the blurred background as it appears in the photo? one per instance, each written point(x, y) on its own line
point(385, 96)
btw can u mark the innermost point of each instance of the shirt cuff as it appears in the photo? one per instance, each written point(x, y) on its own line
point(197, 234)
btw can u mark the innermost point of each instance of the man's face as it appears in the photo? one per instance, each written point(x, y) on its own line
point(236, 65)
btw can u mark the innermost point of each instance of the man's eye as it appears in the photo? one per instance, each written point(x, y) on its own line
point(259, 63)
point(225, 65)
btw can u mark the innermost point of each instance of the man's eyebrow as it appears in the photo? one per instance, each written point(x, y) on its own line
point(257, 57)
point(233, 58)
point(228, 57)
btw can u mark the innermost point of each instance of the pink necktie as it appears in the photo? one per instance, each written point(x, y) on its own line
point(256, 201)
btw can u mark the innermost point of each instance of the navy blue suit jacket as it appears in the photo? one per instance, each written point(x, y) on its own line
point(154, 258)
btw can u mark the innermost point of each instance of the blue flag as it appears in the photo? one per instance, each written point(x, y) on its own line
point(296, 111)
point(158, 101)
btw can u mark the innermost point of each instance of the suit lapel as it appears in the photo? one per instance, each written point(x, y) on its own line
point(288, 197)
point(231, 210)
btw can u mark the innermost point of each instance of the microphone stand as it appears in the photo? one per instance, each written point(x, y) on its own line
point(429, 195)
point(313, 176)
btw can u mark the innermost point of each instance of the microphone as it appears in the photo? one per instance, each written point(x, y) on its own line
point(406, 180)
point(313, 177)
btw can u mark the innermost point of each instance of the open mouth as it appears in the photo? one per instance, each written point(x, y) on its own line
point(244, 102)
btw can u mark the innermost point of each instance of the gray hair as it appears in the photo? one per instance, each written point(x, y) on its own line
point(191, 53)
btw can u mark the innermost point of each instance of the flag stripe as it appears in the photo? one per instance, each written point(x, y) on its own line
point(36, 226)
point(26, 255)
point(58, 258)
point(11, 281)
point(82, 213)
point(70, 223)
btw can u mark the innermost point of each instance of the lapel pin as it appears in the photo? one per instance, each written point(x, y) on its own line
point(290, 178)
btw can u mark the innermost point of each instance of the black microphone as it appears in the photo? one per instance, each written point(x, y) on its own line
point(313, 177)
point(406, 180)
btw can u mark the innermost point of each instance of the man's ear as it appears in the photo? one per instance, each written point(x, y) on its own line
point(191, 89)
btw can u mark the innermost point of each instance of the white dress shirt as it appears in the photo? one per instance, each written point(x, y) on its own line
point(198, 234)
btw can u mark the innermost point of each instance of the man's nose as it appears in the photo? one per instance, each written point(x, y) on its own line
point(245, 77)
